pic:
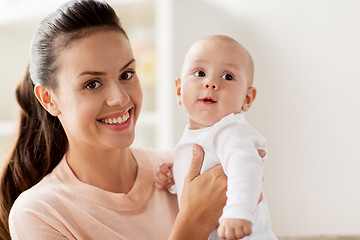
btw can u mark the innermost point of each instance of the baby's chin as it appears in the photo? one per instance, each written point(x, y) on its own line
point(203, 123)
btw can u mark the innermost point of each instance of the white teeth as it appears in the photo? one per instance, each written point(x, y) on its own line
point(125, 117)
point(118, 120)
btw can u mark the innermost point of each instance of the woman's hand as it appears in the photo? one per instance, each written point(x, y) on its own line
point(262, 154)
point(202, 200)
point(206, 194)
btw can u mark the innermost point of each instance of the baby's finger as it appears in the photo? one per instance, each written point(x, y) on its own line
point(166, 168)
point(162, 178)
point(247, 231)
point(239, 233)
point(230, 233)
point(221, 232)
point(160, 186)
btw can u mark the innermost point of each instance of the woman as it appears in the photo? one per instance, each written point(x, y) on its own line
point(72, 164)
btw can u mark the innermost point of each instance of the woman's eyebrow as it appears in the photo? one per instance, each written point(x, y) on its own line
point(102, 73)
point(126, 65)
point(92, 73)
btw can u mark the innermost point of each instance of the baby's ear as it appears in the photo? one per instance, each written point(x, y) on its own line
point(249, 98)
point(46, 99)
point(178, 90)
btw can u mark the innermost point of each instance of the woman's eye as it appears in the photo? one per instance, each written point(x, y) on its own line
point(93, 85)
point(200, 74)
point(227, 77)
point(127, 75)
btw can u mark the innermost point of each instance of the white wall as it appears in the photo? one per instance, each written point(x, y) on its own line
point(307, 73)
point(14, 51)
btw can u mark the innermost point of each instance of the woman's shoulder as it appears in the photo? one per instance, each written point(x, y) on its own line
point(33, 204)
point(43, 195)
point(41, 207)
point(37, 196)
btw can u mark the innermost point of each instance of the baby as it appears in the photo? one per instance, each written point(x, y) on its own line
point(216, 89)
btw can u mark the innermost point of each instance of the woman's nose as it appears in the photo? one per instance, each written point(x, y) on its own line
point(117, 96)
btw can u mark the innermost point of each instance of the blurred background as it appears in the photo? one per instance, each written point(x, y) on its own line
point(307, 56)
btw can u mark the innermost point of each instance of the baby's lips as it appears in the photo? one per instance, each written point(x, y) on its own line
point(208, 99)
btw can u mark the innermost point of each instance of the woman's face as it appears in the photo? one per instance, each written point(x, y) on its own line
point(98, 94)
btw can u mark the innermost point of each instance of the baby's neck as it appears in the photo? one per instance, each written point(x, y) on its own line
point(196, 124)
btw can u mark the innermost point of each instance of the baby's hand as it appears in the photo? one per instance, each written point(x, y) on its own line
point(232, 229)
point(164, 177)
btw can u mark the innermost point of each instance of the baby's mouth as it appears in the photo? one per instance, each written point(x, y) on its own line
point(116, 120)
point(207, 100)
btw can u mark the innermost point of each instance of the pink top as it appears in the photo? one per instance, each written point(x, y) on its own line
point(62, 207)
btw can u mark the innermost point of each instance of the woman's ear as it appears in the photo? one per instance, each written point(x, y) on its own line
point(249, 98)
point(178, 90)
point(45, 97)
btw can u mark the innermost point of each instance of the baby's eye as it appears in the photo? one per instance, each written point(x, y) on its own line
point(126, 75)
point(227, 77)
point(93, 85)
point(200, 74)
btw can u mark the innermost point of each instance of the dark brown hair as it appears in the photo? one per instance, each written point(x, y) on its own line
point(41, 142)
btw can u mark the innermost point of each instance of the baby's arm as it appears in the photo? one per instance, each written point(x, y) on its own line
point(243, 166)
point(164, 176)
point(244, 170)
point(238, 228)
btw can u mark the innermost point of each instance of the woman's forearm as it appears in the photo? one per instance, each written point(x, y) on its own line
point(187, 227)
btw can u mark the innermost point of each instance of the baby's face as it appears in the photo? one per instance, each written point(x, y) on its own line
point(214, 80)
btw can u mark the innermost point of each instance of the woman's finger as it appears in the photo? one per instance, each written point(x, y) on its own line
point(196, 162)
point(262, 153)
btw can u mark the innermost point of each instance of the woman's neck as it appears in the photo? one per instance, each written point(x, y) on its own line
point(110, 170)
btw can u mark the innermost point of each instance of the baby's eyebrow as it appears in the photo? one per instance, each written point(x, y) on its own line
point(231, 65)
point(198, 61)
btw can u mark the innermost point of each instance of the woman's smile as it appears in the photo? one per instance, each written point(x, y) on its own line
point(117, 121)
point(116, 118)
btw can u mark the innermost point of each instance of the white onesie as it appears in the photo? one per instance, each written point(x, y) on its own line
point(233, 143)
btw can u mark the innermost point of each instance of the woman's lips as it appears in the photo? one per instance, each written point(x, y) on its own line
point(116, 118)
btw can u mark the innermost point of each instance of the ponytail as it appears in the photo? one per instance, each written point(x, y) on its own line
point(40, 145)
